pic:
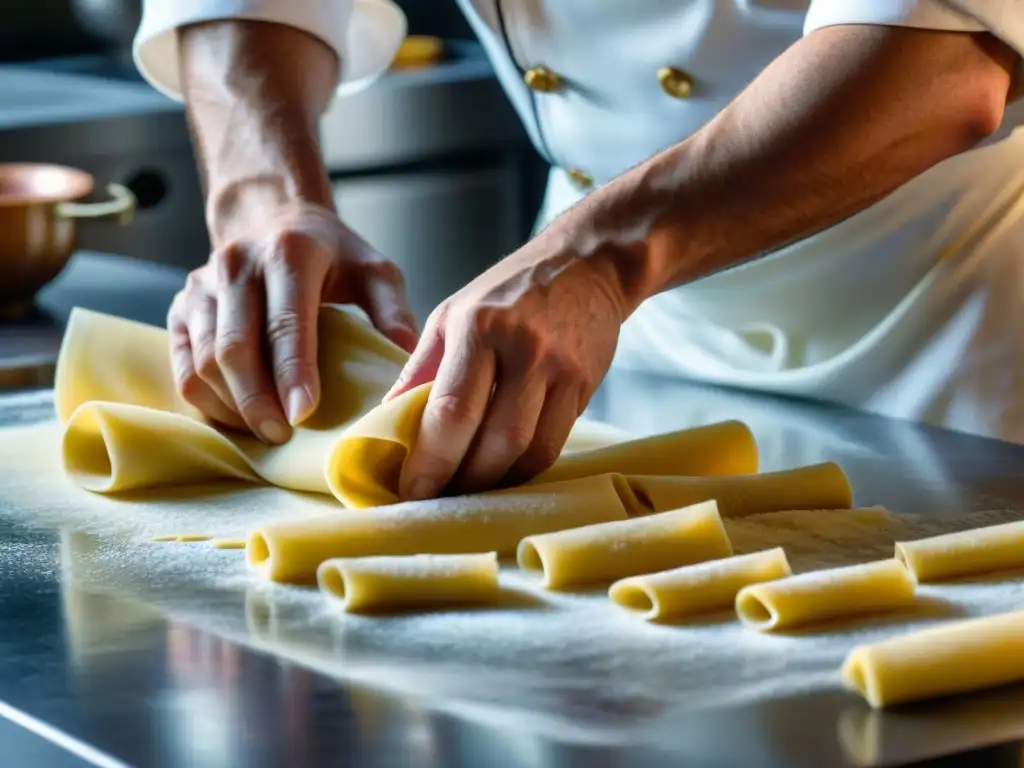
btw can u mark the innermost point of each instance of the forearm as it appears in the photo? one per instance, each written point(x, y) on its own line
point(840, 120)
point(255, 93)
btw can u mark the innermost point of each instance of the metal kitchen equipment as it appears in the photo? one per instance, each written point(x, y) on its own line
point(40, 207)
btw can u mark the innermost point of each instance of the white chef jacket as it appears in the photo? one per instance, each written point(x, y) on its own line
point(911, 309)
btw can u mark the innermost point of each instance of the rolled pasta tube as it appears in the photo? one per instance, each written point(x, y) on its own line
point(952, 658)
point(492, 522)
point(982, 550)
point(725, 448)
point(376, 584)
point(608, 551)
point(696, 589)
point(816, 596)
point(819, 486)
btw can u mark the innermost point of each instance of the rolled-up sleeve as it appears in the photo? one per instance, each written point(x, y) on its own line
point(1002, 18)
point(366, 34)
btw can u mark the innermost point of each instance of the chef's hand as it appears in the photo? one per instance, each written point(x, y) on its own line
point(515, 357)
point(243, 330)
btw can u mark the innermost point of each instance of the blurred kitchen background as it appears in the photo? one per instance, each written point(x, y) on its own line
point(430, 165)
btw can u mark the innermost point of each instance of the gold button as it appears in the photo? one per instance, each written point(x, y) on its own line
point(542, 79)
point(675, 82)
point(579, 179)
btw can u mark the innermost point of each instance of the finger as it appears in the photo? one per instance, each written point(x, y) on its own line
point(192, 388)
point(562, 406)
point(424, 363)
point(387, 305)
point(454, 411)
point(505, 434)
point(202, 334)
point(240, 349)
point(294, 286)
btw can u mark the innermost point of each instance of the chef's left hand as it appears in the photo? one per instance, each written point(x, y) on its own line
point(515, 357)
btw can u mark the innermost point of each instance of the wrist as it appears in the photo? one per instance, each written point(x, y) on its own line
point(614, 227)
point(254, 94)
point(246, 202)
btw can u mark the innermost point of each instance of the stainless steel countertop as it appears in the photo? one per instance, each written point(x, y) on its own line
point(125, 676)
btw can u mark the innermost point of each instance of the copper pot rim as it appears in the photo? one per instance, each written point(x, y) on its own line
point(77, 184)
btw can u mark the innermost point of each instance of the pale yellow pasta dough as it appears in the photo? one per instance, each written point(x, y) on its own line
point(696, 589)
point(982, 550)
point(227, 543)
point(376, 584)
point(491, 522)
point(952, 658)
point(724, 449)
point(126, 427)
point(604, 552)
point(820, 486)
point(808, 598)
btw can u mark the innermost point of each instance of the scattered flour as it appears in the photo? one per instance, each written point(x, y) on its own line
point(551, 661)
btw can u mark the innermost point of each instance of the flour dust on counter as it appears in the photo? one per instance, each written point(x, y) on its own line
point(552, 661)
point(564, 663)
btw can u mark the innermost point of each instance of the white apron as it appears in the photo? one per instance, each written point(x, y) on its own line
point(912, 309)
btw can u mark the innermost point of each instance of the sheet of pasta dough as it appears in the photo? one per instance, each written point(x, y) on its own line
point(126, 427)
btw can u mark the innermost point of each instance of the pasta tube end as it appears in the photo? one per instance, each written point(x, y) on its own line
point(257, 551)
point(530, 560)
point(332, 582)
point(633, 595)
point(858, 676)
point(755, 612)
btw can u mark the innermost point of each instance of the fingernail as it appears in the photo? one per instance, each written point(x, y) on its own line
point(300, 403)
point(421, 488)
point(274, 431)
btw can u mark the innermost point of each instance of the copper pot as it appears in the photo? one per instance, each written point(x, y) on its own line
point(40, 206)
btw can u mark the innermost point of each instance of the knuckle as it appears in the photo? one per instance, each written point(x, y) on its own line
point(232, 349)
point(285, 326)
point(193, 282)
point(517, 438)
point(450, 411)
point(285, 250)
point(541, 455)
point(205, 360)
point(388, 271)
point(191, 388)
point(248, 400)
point(484, 319)
point(230, 264)
point(176, 314)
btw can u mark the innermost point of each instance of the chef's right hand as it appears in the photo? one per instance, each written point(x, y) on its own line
point(243, 330)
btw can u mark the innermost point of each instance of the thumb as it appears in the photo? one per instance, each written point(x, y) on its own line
point(422, 366)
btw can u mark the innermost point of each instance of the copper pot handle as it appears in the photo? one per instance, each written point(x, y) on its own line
point(121, 206)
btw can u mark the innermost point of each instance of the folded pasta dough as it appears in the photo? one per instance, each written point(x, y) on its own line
point(375, 584)
point(607, 551)
point(884, 585)
point(490, 522)
point(127, 428)
point(982, 550)
point(819, 486)
point(697, 589)
point(951, 658)
point(364, 466)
